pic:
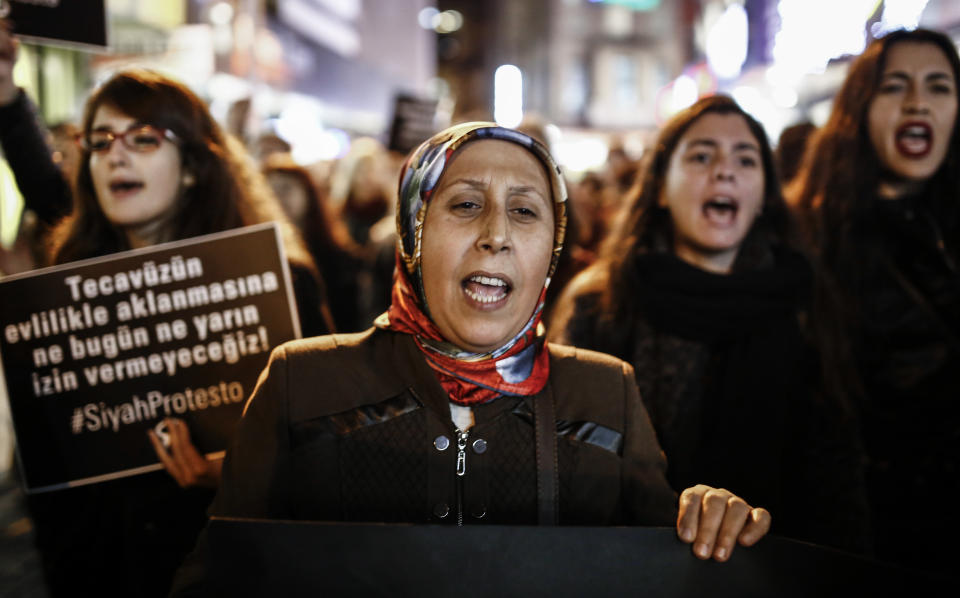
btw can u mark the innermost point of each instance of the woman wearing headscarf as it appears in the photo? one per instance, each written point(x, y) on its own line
point(438, 413)
point(701, 293)
point(879, 193)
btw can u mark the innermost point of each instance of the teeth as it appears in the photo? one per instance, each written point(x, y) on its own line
point(482, 298)
point(493, 282)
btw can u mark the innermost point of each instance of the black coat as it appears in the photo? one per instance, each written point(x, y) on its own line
point(905, 315)
point(733, 388)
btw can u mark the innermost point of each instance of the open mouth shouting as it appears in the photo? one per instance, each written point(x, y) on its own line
point(721, 210)
point(486, 291)
point(914, 139)
point(121, 188)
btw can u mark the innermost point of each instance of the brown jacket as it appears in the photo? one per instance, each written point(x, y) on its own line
point(357, 428)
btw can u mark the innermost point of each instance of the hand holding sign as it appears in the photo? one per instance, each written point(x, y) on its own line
point(181, 459)
point(58, 21)
point(714, 520)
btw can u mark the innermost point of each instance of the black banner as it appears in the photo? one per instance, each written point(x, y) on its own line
point(71, 21)
point(97, 352)
point(277, 558)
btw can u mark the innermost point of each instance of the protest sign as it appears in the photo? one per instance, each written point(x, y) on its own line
point(95, 353)
point(69, 22)
point(257, 557)
point(413, 122)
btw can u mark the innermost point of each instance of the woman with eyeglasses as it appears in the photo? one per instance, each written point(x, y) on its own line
point(155, 167)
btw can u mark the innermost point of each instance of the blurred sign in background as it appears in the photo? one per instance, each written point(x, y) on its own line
point(59, 21)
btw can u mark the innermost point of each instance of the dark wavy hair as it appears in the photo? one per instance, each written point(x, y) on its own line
point(836, 187)
point(228, 191)
point(643, 226)
point(834, 196)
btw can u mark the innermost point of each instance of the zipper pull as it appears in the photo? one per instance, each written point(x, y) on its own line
point(462, 452)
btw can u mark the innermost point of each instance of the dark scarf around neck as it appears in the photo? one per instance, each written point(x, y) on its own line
point(684, 300)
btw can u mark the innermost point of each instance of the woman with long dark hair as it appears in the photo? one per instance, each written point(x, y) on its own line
point(700, 291)
point(326, 236)
point(155, 167)
point(879, 194)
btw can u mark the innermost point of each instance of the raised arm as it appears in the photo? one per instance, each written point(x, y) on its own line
point(41, 183)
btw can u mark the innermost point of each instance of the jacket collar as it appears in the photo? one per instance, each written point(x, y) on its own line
point(414, 373)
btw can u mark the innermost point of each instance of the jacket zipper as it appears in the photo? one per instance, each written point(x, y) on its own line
point(461, 470)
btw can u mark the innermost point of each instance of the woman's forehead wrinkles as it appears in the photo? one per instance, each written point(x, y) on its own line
point(481, 184)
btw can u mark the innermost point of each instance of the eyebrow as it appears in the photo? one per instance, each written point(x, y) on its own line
point(134, 125)
point(739, 146)
point(937, 76)
point(480, 185)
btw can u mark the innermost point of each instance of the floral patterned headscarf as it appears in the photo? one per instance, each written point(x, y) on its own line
point(519, 367)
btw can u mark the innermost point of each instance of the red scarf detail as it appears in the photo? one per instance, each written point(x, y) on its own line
point(466, 381)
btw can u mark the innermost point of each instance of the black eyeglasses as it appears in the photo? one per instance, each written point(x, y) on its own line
point(142, 139)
